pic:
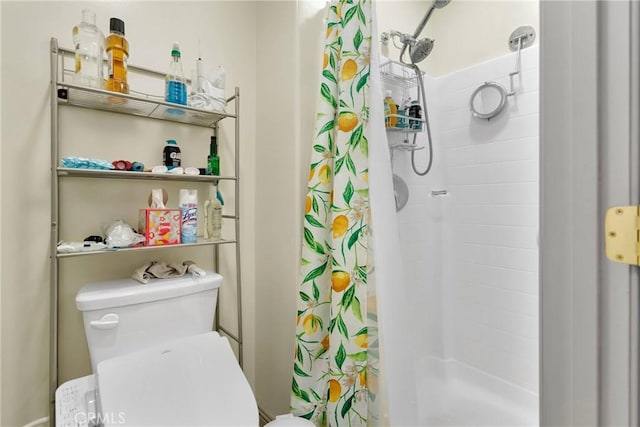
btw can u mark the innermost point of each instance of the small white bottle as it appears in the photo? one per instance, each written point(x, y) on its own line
point(212, 216)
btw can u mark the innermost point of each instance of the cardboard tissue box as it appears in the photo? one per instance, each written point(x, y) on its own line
point(159, 226)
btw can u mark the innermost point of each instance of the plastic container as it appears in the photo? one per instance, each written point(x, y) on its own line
point(212, 216)
point(117, 57)
point(415, 112)
point(89, 49)
point(390, 111)
point(189, 215)
point(171, 156)
point(402, 121)
point(175, 85)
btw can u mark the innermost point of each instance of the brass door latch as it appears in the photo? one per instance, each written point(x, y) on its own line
point(622, 234)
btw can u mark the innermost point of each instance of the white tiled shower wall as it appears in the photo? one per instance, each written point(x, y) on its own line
point(472, 256)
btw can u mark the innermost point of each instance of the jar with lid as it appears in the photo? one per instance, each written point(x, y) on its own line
point(117, 57)
point(415, 115)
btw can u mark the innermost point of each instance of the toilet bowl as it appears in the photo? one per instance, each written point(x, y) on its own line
point(155, 359)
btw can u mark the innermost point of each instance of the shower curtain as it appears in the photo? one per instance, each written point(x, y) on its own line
point(353, 349)
point(330, 369)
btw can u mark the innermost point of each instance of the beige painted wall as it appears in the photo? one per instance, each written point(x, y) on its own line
point(1, 259)
point(276, 203)
point(286, 104)
point(227, 30)
point(466, 32)
point(1, 227)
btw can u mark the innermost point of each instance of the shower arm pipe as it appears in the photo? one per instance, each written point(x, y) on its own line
point(512, 74)
point(418, 30)
point(423, 23)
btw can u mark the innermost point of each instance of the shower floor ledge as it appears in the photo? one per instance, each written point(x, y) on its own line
point(455, 394)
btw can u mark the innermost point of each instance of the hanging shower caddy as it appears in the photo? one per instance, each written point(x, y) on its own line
point(401, 78)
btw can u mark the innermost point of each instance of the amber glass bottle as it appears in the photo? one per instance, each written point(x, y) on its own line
point(117, 48)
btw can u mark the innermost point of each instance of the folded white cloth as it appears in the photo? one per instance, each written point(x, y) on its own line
point(163, 270)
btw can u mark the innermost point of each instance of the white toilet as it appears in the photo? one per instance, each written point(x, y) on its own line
point(155, 359)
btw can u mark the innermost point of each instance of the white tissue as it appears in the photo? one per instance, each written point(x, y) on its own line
point(70, 247)
point(121, 235)
point(176, 171)
point(159, 169)
point(157, 199)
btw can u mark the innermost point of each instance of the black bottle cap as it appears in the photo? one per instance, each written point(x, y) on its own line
point(116, 26)
point(213, 148)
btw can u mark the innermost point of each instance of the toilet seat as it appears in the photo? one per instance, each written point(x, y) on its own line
point(194, 381)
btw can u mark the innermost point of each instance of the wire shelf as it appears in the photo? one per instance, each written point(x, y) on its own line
point(136, 105)
point(200, 242)
point(149, 176)
point(398, 74)
point(403, 130)
point(405, 146)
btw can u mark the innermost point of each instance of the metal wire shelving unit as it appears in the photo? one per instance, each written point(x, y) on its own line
point(64, 93)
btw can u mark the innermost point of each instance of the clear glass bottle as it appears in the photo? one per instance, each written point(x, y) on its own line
point(117, 56)
point(88, 41)
point(175, 84)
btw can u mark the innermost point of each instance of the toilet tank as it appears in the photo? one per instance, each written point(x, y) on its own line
point(123, 316)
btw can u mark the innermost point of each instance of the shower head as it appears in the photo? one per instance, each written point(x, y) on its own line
point(420, 50)
point(437, 4)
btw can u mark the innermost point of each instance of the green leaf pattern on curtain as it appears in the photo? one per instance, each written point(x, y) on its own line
point(330, 368)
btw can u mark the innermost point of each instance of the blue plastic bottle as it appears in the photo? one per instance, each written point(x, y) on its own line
point(175, 86)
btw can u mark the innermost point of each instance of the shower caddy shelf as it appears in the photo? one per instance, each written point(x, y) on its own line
point(403, 77)
point(398, 74)
point(141, 105)
point(405, 146)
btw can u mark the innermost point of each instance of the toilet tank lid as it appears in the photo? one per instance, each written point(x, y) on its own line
point(122, 292)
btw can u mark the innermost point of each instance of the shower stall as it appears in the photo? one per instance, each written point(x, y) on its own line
point(467, 194)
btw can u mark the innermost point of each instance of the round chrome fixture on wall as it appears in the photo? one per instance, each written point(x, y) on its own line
point(522, 38)
point(488, 100)
point(493, 96)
